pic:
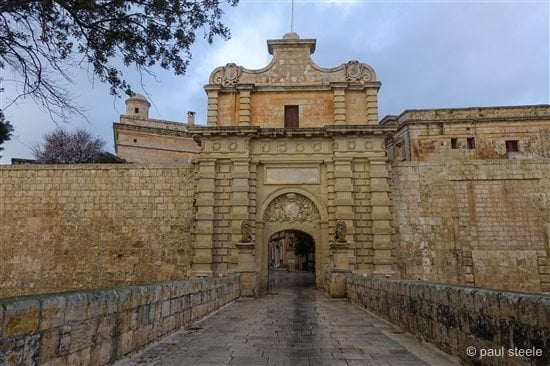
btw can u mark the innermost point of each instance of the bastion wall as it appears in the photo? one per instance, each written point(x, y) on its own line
point(73, 227)
point(483, 223)
point(62, 228)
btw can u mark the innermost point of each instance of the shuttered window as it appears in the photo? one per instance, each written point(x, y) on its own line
point(512, 146)
point(291, 116)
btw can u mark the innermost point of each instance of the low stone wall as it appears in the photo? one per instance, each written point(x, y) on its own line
point(98, 327)
point(479, 326)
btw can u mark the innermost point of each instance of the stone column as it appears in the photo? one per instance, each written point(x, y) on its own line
point(381, 216)
point(201, 265)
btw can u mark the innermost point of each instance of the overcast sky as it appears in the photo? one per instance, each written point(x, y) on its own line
point(427, 54)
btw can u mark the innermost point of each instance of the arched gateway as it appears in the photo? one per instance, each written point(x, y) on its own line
point(292, 209)
point(292, 146)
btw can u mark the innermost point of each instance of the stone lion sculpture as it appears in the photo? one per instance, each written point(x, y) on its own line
point(341, 231)
point(246, 232)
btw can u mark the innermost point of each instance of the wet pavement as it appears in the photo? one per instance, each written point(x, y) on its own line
point(294, 324)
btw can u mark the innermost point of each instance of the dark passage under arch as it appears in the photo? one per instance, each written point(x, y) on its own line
point(293, 252)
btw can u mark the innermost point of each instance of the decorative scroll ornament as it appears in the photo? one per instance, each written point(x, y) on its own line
point(228, 75)
point(357, 72)
point(292, 207)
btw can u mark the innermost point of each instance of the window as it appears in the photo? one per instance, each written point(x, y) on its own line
point(136, 110)
point(454, 143)
point(291, 116)
point(397, 150)
point(512, 146)
point(471, 142)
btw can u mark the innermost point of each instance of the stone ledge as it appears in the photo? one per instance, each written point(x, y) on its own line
point(457, 317)
point(99, 326)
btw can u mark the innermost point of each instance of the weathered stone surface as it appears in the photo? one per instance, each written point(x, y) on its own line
point(96, 327)
point(470, 133)
point(20, 317)
point(476, 222)
point(134, 221)
point(480, 318)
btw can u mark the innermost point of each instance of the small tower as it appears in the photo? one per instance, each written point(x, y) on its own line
point(137, 106)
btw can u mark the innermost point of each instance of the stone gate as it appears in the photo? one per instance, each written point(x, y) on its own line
point(292, 146)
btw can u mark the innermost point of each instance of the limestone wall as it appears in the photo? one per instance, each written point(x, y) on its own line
point(455, 318)
point(482, 223)
point(316, 109)
point(88, 226)
point(98, 327)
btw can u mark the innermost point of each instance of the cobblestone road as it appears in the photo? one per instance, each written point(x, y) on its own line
point(294, 324)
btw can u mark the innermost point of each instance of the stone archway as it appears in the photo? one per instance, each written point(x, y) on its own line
point(292, 209)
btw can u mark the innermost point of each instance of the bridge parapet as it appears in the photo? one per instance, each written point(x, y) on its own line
point(479, 326)
point(99, 326)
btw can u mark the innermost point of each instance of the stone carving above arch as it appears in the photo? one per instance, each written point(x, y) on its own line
point(358, 73)
point(292, 207)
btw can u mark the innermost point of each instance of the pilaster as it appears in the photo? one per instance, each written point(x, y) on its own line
point(383, 258)
point(204, 230)
point(339, 103)
point(240, 187)
point(372, 105)
point(212, 114)
point(244, 104)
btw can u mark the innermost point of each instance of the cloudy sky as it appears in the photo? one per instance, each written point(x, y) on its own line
point(427, 54)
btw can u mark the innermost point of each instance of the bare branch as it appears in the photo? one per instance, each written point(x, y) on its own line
point(40, 39)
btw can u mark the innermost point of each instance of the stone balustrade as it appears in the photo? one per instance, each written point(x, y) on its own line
point(99, 326)
point(479, 326)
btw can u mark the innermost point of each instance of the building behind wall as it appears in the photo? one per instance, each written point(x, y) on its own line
point(470, 133)
point(140, 139)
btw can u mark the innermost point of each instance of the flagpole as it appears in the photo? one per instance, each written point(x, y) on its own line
point(292, 17)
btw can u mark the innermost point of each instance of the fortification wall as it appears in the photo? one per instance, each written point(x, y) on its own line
point(462, 321)
point(480, 223)
point(90, 226)
point(98, 327)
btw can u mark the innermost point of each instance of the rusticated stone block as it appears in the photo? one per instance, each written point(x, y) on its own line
point(543, 312)
point(49, 344)
point(20, 317)
point(53, 312)
point(77, 307)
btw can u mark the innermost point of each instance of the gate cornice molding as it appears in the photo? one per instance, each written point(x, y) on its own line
point(283, 191)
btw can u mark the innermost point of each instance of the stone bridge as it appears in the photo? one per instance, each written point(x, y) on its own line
point(206, 322)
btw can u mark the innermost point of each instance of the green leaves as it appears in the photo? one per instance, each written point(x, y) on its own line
point(6, 130)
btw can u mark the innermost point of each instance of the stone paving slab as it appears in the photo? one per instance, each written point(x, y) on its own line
point(294, 324)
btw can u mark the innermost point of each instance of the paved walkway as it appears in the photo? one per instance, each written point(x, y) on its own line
point(294, 324)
